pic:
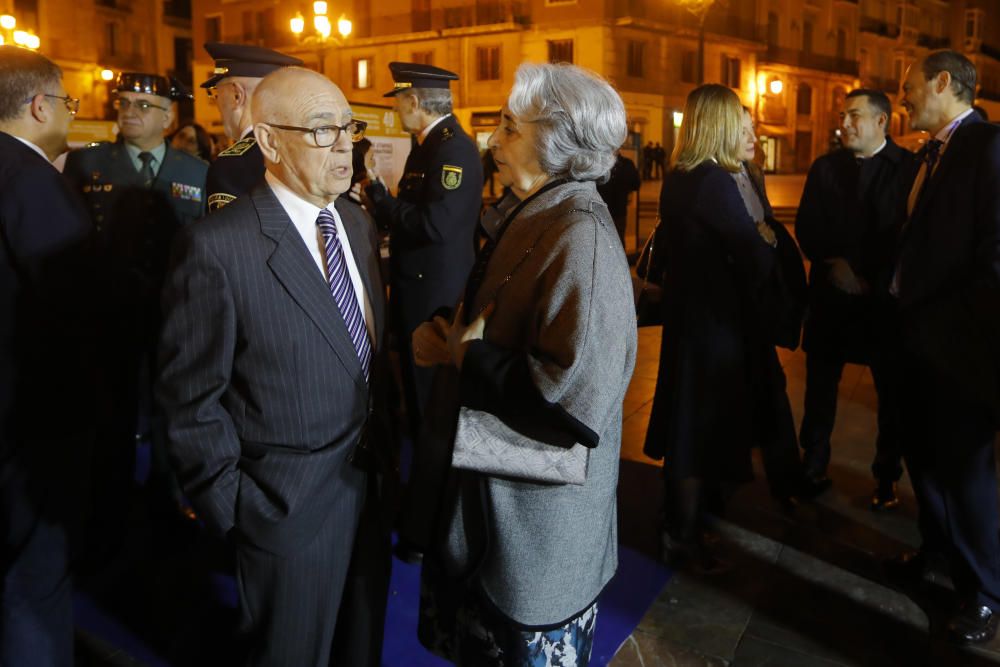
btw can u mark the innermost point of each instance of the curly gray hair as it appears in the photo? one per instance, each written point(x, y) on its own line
point(579, 117)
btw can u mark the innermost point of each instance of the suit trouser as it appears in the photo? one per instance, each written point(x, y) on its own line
point(289, 604)
point(36, 614)
point(951, 459)
point(823, 371)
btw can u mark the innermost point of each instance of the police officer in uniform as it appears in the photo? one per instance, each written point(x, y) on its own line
point(432, 220)
point(139, 191)
point(238, 70)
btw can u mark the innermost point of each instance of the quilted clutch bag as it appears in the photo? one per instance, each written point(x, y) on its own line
point(483, 443)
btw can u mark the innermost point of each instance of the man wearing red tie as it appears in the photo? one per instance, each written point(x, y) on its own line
point(947, 284)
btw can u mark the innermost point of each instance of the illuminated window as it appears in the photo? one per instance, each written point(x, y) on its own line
point(362, 73)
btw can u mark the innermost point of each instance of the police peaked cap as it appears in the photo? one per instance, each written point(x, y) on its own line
point(244, 60)
point(152, 84)
point(413, 75)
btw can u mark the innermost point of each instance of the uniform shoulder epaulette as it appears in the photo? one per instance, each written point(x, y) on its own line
point(239, 148)
point(96, 144)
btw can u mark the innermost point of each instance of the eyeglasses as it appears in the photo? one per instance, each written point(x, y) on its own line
point(122, 104)
point(327, 135)
point(72, 103)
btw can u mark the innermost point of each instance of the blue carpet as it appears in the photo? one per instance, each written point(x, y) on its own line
point(625, 601)
point(623, 604)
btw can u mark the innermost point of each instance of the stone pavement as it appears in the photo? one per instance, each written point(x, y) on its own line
point(806, 587)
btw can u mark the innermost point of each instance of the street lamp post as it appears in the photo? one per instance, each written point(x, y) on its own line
point(322, 31)
point(699, 8)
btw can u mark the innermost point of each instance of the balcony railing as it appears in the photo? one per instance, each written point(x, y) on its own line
point(932, 42)
point(798, 58)
point(878, 27)
point(478, 14)
point(178, 9)
point(721, 23)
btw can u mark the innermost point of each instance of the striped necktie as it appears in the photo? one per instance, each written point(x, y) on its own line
point(343, 290)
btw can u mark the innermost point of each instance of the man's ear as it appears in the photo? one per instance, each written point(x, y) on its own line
point(169, 117)
point(942, 82)
point(240, 95)
point(267, 139)
point(38, 109)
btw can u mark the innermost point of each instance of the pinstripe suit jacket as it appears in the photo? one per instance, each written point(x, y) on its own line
point(262, 388)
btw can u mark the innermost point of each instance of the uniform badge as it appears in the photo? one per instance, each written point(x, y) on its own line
point(239, 148)
point(451, 177)
point(447, 133)
point(185, 192)
point(217, 200)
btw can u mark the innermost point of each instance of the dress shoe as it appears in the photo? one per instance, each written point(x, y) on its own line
point(885, 497)
point(973, 625)
point(812, 486)
point(912, 568)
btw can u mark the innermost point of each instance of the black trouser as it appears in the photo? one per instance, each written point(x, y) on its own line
point(951, 459)
point(823, 371)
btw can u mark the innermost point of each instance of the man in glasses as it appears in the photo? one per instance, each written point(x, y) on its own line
point(272, 372)
point(432, 219)
point(44, 392)
point(238, 70)
point(140, 191)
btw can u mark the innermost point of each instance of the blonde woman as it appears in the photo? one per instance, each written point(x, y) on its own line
point(720, 387)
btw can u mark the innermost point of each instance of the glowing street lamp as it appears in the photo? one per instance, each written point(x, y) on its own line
point(107, 75)
point(8, 22)
point(322, 30)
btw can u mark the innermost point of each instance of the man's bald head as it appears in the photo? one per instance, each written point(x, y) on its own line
point(303, 100)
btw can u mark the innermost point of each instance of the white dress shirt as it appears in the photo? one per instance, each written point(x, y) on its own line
point(303, 216)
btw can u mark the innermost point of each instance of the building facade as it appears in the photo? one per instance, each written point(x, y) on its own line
point(791, 61)
point(86, 37)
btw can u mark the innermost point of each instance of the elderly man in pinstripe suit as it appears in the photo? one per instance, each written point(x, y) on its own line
point(274, 324)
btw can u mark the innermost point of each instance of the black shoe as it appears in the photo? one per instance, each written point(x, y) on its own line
point(912, 568)
point(885, 497)
point(812, 486)
point(973, 625)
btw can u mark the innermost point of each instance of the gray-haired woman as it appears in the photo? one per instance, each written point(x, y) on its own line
point(542, 350)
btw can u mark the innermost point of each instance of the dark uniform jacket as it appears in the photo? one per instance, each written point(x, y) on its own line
point(849, 209)
point(234, 173)
point(431, 222)
point(133, 226)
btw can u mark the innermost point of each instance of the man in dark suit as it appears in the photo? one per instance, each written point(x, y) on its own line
point(274, 324)
point(140, 192)
point(238, 70)
point(622, 181)
point(846, 227)
point(947, 281)
point(432, 220)
point(44, 408)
